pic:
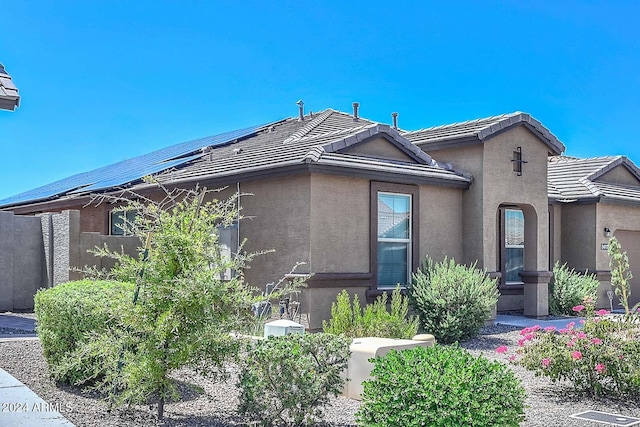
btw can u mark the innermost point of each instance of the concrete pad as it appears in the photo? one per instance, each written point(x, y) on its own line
point(19, 406)
point(526, 322)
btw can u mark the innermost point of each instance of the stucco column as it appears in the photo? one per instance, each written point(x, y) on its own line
point(536, 292)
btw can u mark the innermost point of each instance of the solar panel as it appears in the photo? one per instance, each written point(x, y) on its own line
point(126, 171)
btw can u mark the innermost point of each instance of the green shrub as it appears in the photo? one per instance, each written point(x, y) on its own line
point(601, 359)
point(286, 380)
point(568, 289)
point(452, 300)
point(375, 320)
point(67, 313)
point(440, 386)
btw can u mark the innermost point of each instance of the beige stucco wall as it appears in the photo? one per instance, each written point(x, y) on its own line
point(440, 223)
point(556, 218)
point(578, 236)
point(276, 217)
point(380, 148)
point(339, 225)
point(619, 175)
point(528, 191)
point(468, 159)
point(615, 217)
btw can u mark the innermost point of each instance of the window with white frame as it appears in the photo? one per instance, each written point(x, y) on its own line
point(394, 239)
point(121, 221)
point(513, 245)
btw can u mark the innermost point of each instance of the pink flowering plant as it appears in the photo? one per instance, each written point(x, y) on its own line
point(603, 357)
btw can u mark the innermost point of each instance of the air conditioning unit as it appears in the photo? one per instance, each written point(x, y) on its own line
point(282, 327)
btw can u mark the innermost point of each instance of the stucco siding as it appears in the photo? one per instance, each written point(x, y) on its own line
point(502, 186)
point(440, 223)
point(276, 217)
point(616, 217)
point(468, 159)
point(619, 175)
point(339, 225)
point(579, 236)
point(379, 148)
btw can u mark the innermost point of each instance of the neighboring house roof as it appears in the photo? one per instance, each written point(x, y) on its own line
point(282, 147)
point(476, 131)
point(577, 180)
point(9, 98)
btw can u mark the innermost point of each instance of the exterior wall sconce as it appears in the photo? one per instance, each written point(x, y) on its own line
point(517, 161)
point(607, 232)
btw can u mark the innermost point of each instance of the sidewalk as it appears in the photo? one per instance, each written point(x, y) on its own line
point(19, 406)
point(525, 322)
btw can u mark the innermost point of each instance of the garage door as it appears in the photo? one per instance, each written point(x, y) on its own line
point(630, 241)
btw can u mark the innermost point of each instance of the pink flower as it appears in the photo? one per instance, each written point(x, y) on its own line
point(576, 355)
point(545, 362)
point(638, 310)
point(502, 349)
point(570, 344)
point(600, 368)
point(602, 312)
point(512, 357)
point(578, 308)
point(550, 328)
point(596, 341)
point(581, 321)
point(570, 325)
point(581, 335)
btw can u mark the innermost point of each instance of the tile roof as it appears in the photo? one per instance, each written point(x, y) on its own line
point(313, 143)
point(574, 179)
point(479, 130)
point(9, 98)
point(292, 143)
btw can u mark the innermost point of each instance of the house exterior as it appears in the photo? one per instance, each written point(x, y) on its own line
point(9, 97)
point(363, 203)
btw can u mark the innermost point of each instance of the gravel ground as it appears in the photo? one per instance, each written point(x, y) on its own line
point(548, 404)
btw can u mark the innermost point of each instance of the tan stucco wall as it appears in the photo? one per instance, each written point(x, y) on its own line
point(440, 223)
point(529, 191)
point(380, 148)
point(276, 217)
point(557, 233)
point(339, 224)
point(619, 175)
point(579, 236)
point(468, 159)
point(616, 217)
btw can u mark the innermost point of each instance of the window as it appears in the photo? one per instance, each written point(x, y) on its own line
point(394, 239)
point(121, 221)
point(513, 245)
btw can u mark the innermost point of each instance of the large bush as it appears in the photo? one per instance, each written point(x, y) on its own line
point(440, 386)
point(68, 313)
point(452, 300)
point(569, 288)
point(286, 380)
point(375, 320)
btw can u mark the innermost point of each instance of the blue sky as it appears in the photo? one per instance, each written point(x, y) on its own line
point(105, 81)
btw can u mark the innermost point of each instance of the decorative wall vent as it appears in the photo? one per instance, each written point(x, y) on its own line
point(517, 161)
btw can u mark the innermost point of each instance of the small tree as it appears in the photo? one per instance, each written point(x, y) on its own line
point(183, 310)
point(620, 274)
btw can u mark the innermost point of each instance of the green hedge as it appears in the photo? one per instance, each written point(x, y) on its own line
point(440, 386)
point(69, 313)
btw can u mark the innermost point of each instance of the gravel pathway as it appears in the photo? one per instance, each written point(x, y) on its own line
point(548, 404)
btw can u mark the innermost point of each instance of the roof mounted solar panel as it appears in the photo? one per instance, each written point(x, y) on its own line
point(130, 170)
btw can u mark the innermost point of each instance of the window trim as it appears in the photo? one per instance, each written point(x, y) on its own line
point(504, 246)
point(414, 248)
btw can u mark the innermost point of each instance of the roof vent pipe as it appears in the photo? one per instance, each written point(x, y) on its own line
point(355, 110)
point(301, 110)
point(395, 120)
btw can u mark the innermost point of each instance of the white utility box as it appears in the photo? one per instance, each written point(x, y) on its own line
point(362, 349)
point(282, 327)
